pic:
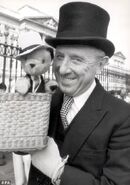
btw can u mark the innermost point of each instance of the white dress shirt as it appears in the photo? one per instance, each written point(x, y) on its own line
point(79, 101)
point(36, 83)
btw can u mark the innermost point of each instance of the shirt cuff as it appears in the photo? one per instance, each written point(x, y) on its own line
point(59, 170)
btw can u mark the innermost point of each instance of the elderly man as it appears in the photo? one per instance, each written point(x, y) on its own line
point(89, 131)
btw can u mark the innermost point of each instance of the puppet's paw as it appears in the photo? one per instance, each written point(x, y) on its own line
point(51, 86)
point(22, 86)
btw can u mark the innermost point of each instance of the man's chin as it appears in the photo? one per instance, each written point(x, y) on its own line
point(66, 90)
point(67, 83)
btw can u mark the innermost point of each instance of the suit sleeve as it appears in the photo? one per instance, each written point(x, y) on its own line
point(116, 170)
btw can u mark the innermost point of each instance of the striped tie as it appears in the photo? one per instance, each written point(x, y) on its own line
point(65, 109)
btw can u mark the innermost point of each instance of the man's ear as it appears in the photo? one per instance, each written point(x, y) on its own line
point(102, 62)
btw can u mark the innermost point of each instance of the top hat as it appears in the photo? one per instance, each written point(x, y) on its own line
point(30, 41)
point(83, 23)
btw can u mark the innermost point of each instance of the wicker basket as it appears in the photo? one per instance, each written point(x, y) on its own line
point(24, 121)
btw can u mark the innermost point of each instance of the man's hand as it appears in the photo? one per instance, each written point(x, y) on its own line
point(47, 159)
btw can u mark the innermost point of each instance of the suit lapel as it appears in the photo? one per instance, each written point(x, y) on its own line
point(84, 123)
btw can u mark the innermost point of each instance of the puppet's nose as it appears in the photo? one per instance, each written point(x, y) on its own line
point(32, 65)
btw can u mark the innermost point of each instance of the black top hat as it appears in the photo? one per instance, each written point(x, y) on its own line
point(85, 24)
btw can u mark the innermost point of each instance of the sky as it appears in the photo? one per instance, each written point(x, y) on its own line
point(119, 10)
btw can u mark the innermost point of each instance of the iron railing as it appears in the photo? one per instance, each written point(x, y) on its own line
point(10, 70)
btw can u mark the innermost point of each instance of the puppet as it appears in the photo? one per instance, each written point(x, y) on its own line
point(36, 59)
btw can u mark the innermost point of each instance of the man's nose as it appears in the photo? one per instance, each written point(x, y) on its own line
point(64, 66)
point(32, 65)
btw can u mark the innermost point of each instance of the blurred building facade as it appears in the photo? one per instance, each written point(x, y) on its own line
point(113, 77)
point(11, 23)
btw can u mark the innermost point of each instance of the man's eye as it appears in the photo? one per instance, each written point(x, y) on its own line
point(76, 61)
point(59, 57)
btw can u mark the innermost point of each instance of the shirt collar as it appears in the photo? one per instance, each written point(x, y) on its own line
point(81, 99)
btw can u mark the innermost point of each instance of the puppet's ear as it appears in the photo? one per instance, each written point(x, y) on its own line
point(23, 59)
point(23, 63)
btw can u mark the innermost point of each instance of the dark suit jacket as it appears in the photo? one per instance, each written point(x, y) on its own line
point(97, 141)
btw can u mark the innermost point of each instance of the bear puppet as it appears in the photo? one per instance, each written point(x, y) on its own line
point(36, 59)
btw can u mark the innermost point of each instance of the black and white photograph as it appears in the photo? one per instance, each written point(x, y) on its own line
point(64, 92)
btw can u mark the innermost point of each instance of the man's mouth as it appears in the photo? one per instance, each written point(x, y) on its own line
point(67, 77)
point(67, 80)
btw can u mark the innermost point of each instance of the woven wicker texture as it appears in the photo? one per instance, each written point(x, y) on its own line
point(24, 121)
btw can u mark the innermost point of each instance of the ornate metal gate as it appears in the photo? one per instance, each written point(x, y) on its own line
point(10, 68)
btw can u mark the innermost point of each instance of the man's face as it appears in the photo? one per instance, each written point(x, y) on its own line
point(75, 68)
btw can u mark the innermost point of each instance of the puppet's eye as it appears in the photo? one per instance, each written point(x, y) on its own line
point(43, 61)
